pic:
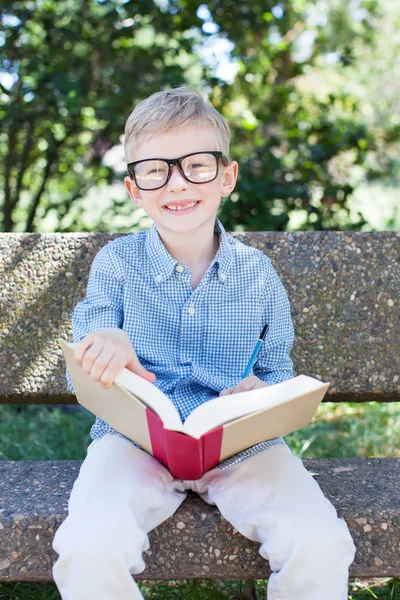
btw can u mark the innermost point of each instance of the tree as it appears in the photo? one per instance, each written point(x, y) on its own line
point(299, 149)
point(73, 71)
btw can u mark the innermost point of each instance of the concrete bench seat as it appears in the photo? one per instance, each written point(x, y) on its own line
point(344, 293)
point(197, 542)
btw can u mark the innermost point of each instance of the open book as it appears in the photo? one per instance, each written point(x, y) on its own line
point(213, 431)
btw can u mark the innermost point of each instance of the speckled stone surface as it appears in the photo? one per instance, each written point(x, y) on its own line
point(197, 542)
point(343, 288)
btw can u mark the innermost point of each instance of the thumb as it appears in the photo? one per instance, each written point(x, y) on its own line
point(135, 366)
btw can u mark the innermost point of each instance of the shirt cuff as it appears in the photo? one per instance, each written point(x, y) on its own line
point(275, 376)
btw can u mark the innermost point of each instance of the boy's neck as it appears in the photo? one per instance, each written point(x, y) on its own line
point(195, 250)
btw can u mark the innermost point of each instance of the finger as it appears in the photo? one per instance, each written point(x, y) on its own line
point(227, 391)
point(114, 366)
point(139, 369)
point(91, 355)
point(82, 347)
point(245, 386)
point(109, 355)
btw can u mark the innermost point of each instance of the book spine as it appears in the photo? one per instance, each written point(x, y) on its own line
point(189, 458)
point(156, 433)
point(212, 446)
point(185, 457)
point(181, 454)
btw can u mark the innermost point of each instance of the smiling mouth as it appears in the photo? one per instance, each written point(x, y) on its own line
point(183, 207)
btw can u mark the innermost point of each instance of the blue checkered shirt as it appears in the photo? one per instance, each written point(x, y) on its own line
point(197, 342)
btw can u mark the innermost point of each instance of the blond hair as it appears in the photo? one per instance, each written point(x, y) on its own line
point(172, 109)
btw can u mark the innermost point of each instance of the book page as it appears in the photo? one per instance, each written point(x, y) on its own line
point(225, 409)
point(267, 424)
point(151, 396)
point(128, 384)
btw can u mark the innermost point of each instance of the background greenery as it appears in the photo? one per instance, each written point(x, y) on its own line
point(311, 91)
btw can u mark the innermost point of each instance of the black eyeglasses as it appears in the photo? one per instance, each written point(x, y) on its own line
point(154, 173)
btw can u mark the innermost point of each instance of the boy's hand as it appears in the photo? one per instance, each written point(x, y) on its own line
point(245, 385)
point(103, 354)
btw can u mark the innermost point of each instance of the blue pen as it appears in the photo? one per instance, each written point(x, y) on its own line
point(256, 350)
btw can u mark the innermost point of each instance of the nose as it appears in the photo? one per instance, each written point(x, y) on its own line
point(177, 182)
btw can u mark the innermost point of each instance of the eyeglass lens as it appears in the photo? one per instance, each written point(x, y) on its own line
point(198, 168)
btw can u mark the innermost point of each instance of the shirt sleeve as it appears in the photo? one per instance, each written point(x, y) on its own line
point(274, 364)
point(103, 305)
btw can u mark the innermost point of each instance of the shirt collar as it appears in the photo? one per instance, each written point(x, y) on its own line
point(223, 258)
point(163, 264)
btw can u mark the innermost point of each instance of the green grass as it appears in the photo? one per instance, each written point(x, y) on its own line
point(384, 589)
point(350, 430)
point(43, 433)
point(338, 430)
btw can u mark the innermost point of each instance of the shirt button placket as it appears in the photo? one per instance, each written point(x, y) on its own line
point(188, 345)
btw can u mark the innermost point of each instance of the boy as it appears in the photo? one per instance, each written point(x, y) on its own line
point(182, 305)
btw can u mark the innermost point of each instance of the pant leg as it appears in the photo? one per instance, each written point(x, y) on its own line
point(120, 495)
point(272, 499)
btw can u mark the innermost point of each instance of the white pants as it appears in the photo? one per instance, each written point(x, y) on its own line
point(122, 493)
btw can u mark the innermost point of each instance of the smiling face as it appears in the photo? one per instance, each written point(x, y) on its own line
point(181, 207)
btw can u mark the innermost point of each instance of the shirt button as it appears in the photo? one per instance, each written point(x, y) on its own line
point(223, 276)
point(179, 268)
point(158, 278)
point(191, 310)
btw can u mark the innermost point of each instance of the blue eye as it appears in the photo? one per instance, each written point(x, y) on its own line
point(155, 171)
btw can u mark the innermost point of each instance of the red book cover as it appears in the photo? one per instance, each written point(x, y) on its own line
point(185, 457)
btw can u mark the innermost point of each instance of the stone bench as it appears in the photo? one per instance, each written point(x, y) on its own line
point(344, 293)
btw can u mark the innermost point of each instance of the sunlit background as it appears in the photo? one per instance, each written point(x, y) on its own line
point(309, 88)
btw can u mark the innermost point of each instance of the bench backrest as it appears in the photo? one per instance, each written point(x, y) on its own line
point(343, 288)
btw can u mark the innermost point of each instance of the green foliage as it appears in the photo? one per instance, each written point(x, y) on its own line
point(43, 433)
point(388, 589)
point(301, 147)
point(338, 430)
point(78, 70)
point(28, 591)
point(349, 430)
point(300, 126)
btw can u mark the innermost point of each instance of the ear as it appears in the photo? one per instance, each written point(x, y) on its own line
point(133, 191)
point(228, 181)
